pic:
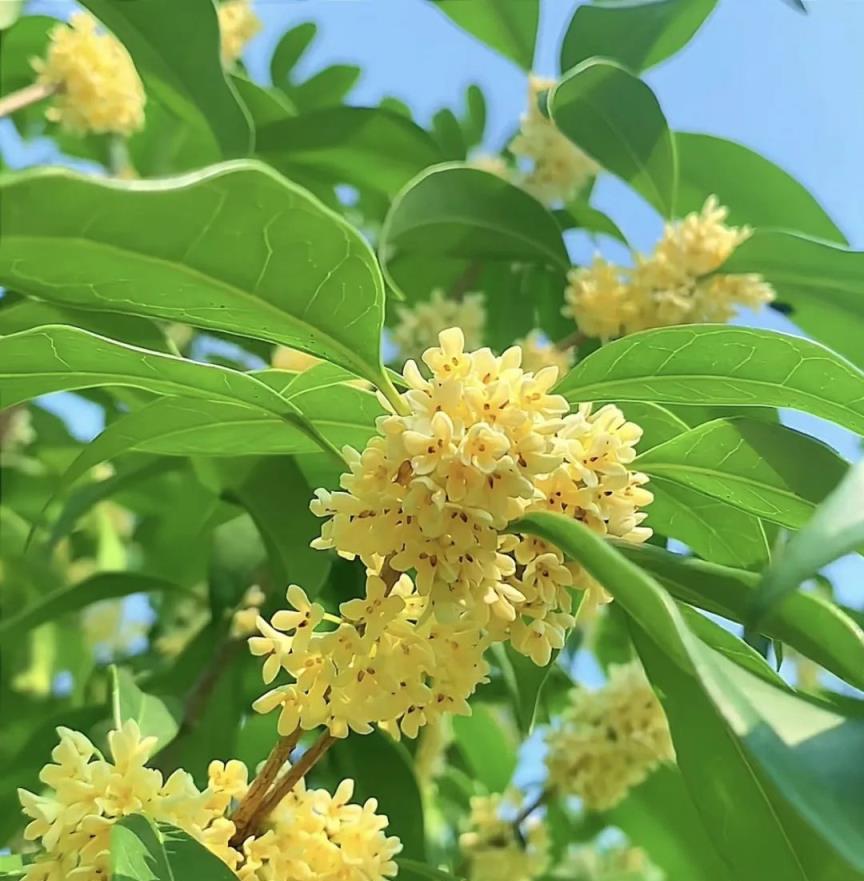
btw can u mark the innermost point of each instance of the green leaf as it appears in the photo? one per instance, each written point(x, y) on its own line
point(455, 211)
point(823, 284)
point(722, 365)
point(527, 681)
point(711, 528)
point(754, 189)
point(581, 215)
point(638, 36)
point(448, 134)
point(28, 314)
point(326, 88)
point(616, 119)
point(474, 122)
point(811, 624)
point(835, 529)
point(660, 817)
point(508, 26)
point(382, 768)
point(176, 50)
point(264, 105)
point(364, 146)
point(750, 465)
point(290, 48)
point(489, 750)
point(739, 741)
point(152, 714)
point(412, 870)
point(189, 858)
point(95, 589)
point(235, 248)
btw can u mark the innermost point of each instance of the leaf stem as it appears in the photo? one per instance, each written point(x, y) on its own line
point(394, 399)
point(31, 94)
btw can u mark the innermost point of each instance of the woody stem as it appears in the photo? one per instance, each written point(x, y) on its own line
point(16, 101)
point(249, 808)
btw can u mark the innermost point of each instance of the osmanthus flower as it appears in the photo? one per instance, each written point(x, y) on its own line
point(678, 283)
point(559, 169)
point(97, 88)
point(418, 325)
point(492, 846)
point(538, 352)
point(310, 834)
point(609, 740)
point(427, 506)
point(237, 25)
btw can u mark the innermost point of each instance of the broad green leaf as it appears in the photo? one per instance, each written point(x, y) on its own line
point(265, 105)
point(582, 216)
point(363, 146)
point(95, 589)
point(58, 358)
point(822, 283)
point(383, 769)
point(739, 741)
point(710, 527)
point(137, 852)
point(326, 88)
point(508, 26)
point(290, 48)
point(448, 134)
point(526, 681)
point(835, 529)
point(750, 465)
point(153, 715)
point(659, 816)
point(188, 858)
point(657, 423)
point(176, 50)
point(636, 35)
point(811, 624)
point(754, 189)
point(616, 119)
point(235, 248)
point(489, 750)
point(28, 314)
point(474, 121)
point(713, 364)
point(455, 211)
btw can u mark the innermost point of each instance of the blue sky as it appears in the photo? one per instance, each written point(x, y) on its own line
point(788, 85)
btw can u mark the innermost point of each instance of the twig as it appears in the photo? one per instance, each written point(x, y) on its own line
point(248, 809)
point(282, 787)
point(574, 339)
point(532, 806)
point(16, 101)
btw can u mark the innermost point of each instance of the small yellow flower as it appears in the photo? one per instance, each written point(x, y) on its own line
point(98, 88)
point(237, 25)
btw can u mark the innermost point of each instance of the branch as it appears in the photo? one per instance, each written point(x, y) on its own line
point(307, 761)
point(16, 101)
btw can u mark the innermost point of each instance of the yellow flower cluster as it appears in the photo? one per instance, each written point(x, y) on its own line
point(98, 88)
point(315, 835)
point(538, 352)
point(492, 846)
point(673, 285)
point(609, 740)
point(609, 864)
point(87, 795)
point(482, 442)
point(244, 622)
point(310, 834)
point(419, 325)
point(237, 25)
point(559, 168)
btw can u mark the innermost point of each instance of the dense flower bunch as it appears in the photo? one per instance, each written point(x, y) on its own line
point(610, 739)
point(494, 849)
point(419, 325)
point(432, 495)
point(87, 795)
point(609, 864)
point(97, 87)
point(559, 169)
point(237, 25)
point(673, 285)
point(310, 834)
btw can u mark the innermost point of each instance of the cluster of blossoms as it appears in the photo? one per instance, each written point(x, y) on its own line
point(237, 25)
point(538, 352)
point(559, 169)
point(419, 325)
point(311, 834)
point(494, 848)
point(609, 740)
point(426, 507)
point(673, 285)
point(609, 864)
point(97, 88)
